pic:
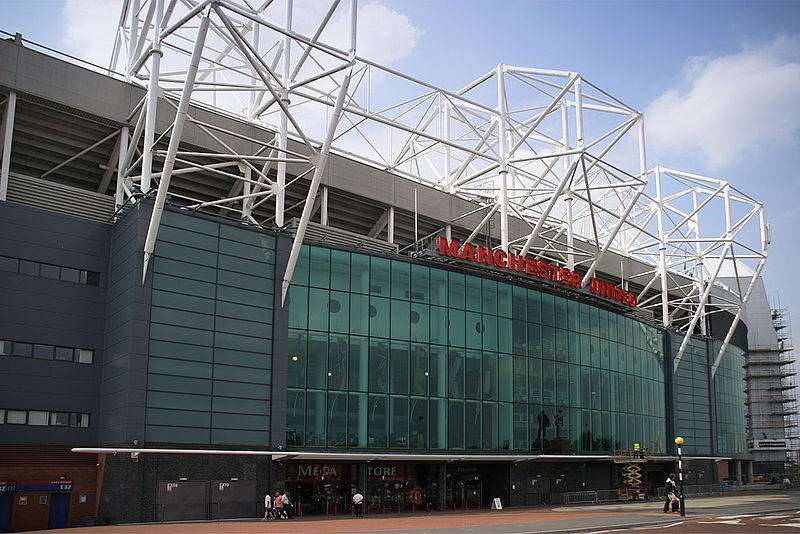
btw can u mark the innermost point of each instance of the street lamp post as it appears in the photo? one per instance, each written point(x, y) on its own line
point(679, 441)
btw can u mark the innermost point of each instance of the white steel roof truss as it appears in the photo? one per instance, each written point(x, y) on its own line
point(514, 141)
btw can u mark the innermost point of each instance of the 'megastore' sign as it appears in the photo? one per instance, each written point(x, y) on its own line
point(531, 267)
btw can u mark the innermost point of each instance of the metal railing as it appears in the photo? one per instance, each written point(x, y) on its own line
point(625, 495)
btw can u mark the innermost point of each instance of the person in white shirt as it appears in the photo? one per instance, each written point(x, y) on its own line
point(267, 506)
point(358, 502)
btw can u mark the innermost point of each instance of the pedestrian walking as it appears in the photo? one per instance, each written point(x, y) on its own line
point(358, 503)
point(267, 506)
point(671, 495)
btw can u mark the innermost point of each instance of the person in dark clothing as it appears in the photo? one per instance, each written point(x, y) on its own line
point(671, 494)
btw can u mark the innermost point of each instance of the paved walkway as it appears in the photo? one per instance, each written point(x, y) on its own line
point(509, 521)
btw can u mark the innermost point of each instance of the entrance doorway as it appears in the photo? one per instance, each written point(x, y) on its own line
point(465, 491)
point(59, 510)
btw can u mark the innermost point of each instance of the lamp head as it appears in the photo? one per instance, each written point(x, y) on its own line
point(679, 441)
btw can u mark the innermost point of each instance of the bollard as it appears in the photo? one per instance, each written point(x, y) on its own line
point(398, 508)
point(383, 507)
point(413, 507)
point(336, 508)
point(427, 507)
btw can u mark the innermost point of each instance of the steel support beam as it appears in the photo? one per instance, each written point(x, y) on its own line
point(8, 134)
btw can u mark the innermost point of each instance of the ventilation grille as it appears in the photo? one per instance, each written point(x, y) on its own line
point(27, 455)
point(60, 198)
point(337, 236)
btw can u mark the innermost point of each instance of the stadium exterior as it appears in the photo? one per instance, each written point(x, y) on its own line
point(201, 307)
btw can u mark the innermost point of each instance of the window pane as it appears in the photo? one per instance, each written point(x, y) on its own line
point(16, 417)
point(337, 419)
point(49, 271)
point(379, 276)
point(473, 424)
point(399, 367)
point(5, 347)
point(419, 283)
point(378, 366)
point(64, 354)
point(43, 352)
point(340, 270)
point(29, 267)
point(359, 273)
point(9, 264)
point(38, 418)
point(473, 378)
point(320, 267)
point(339, 307)
point(70, 275)
point(378, 420)
point(401, 279)
point(398, 426)
point(455, 424)
point(23, 349)
point(83, 420)
point(85, 356)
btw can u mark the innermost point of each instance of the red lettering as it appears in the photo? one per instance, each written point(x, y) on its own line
point(448, 249)
point(530, 267)
point(499, 258)
point(516, 263)
point(564, 275)
point(468, 252)
point(576, 279)
point(542, 270)
point(484, 255)
point(553, 272)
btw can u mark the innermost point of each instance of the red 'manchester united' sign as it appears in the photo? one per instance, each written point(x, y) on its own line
point(539, 268)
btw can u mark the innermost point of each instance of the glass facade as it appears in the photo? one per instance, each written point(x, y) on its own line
point(729, 396)
point(389, 354)
point(209, 369)
point(693, 396)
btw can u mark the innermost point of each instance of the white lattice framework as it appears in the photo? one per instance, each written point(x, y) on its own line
point(540, 146)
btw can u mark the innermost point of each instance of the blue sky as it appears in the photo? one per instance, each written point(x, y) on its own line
point(719, 81)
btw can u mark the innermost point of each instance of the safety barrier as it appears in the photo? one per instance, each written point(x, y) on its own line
point(583, 497)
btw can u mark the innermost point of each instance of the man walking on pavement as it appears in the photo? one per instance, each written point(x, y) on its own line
point(671, 494)
point(358, 502)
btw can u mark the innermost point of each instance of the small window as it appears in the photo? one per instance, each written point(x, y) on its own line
point(70, 275)
point(42, 499)
point(43, 352)
point(29, 267)
point(16, 417)
point(64, 354)
point(38, 418)
point(92, 279)
point(22, 349)
point(59, 419)
point(83, 420)
point(9, 264)
point(5, 347)
point(2, 417)
point(50, 271)
point(85, 356)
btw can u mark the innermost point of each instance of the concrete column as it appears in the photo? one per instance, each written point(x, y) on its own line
point(749, 471)
point(738, 472)
point(442, 486)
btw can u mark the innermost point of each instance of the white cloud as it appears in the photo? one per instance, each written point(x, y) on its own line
point(90, 28)
point(384, 35)
point(734, 104)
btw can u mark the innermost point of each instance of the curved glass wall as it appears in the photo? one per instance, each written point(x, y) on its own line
point(389, 354)
point(729, 397)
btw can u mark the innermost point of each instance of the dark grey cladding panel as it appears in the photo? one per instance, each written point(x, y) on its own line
point(51, 312)
point(28, 71)
point(48, 237)
point(124, 375)
point(46, 435)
